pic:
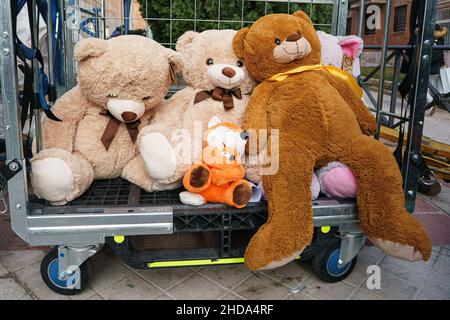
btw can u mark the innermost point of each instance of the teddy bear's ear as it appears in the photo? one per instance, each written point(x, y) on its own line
point(175, 64)
point(184, 40)
point(238, 42)
point(89, 48)
point(302, 15)
point(214, 121)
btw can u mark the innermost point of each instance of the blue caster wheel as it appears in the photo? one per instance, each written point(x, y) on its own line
point(326, 263)
point(67, 285)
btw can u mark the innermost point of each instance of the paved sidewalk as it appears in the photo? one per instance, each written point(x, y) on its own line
point(112, 279)
point(20, 274)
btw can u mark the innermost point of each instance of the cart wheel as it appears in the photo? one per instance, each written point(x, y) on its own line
point(326, 266)
point(50, 272)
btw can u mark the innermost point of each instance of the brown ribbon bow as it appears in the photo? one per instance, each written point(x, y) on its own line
point(113, 126)
point(219, 94)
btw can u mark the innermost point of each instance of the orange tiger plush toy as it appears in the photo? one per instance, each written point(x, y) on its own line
point(219, 176)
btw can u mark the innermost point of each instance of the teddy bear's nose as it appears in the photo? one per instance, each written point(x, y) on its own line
point(128, 116)
point(294, 37)
point(228, 72)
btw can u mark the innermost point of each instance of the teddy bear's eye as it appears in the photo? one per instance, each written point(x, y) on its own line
point(277, 41)
point(240, 63)
point(112, 95)
point(209, 61)
point(147, 97)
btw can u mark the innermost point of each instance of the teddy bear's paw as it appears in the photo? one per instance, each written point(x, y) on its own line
point(52, 179)
point(159, 156)
point(398, 250)
point(193, 199)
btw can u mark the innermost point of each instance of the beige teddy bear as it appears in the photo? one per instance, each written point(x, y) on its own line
point(120, 81)
point(218, 89)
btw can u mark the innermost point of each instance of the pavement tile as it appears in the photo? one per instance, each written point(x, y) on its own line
point(322, 290)
point(163, 297)
point(291, 274)
point(44, 293)
point(107, 272)
point(4, 253)
point(11, 290)
point(196, 288)
point(228, 276)
point(95, 297)
point(358, 274)
point(84, 295)
point(361, 294)
point(25, 297)
point(437, 225)
point(30, 276)
point(370, 255)
point(3, 270)
point(441, 200)
point(423, 205)
point(165, 277)
point(439, 283)
point(21, 258)
point(442, 264)
point(414, 272)
point(231, 296)
point(445, 250)
point(424, 294)
point(261, 288)
point(132, 288)
point(393, 288)
point(298, 296)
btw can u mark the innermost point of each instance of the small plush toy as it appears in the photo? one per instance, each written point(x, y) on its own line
point(320, 118)
point(219, 176)
point(120, 81)
point(218, 85)
point(341, 51)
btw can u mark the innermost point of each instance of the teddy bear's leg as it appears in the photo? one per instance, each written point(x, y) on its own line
point(60, 176)
point(136, 172)
point(238, 194)
point(380, 201)
point(289, 228)
point(159, 156)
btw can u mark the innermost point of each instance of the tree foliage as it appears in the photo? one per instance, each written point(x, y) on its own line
point(168, 23)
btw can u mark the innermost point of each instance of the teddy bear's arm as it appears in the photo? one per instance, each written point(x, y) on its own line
point(256, 114)
point(70, 108)
point(365, 119)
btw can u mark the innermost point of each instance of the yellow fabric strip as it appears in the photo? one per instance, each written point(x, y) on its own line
point(335, 71)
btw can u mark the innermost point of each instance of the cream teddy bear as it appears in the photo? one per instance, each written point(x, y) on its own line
point(120, 82)
point(218, 87)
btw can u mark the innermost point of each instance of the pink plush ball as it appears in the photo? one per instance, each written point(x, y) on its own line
point(339, 183)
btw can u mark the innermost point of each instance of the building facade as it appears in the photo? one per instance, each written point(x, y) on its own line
point(398, 26)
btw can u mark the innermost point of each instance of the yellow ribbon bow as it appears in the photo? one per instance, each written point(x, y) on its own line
point(335, 71)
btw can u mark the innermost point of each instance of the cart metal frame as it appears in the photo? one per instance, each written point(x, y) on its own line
point(80, 230)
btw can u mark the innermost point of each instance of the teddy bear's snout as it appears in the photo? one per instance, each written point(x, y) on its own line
point(228, 72)
point(294, 37)
point(129, 116)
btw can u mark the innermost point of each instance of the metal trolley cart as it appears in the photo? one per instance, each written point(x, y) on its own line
point(119, 214)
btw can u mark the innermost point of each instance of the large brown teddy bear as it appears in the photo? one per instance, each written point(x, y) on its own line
point(320, 119)
point(218, 89)
point(120, 81)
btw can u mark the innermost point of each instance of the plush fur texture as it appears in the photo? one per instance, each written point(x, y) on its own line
point(320, 120)
point(128, 76)
point(172, 127)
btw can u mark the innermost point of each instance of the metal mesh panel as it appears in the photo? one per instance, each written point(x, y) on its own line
point(166, 20)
